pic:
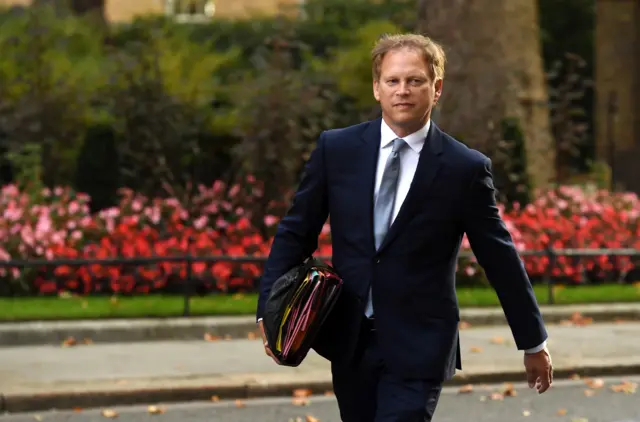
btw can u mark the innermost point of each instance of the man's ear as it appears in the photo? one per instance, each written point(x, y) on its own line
point(438, 91)
point(376, 90)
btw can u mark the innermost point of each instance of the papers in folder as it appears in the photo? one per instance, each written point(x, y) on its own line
point(297, 306)
point(312, 298)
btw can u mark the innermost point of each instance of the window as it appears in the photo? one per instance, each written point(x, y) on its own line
point(191, 10)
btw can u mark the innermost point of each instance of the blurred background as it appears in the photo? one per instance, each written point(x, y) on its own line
point(148, 149)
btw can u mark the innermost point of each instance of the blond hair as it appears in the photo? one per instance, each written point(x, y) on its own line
point(432, 52)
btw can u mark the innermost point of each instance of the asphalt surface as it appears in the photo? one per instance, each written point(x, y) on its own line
point(565, 402)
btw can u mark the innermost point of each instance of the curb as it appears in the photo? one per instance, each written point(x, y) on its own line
point(242, 327)
point(93, 399)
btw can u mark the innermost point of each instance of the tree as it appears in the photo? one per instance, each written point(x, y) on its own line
point(494, 71)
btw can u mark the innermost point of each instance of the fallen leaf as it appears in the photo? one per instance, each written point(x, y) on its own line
point(574, 377)
point(496, 396)
point(312, 419)
point(509, 391)
point(301, 392)
point(329, 393)
point(87, 341)
point(476, 349)
point(300, 401)
point(155, 410)
point(526, 413)
point(210, 337)
point(240, 403)
point(238, 296)
point(561, 412)
point(251, 335)
point(463, 325)
point(626, 387)
point(497, 340)
point(466, 389)
point(37, 417)
point(589, 393)
point(215, 398)
point(227, 337)
point(594, 383)
point(77, 409)
point(69, 341)
point(483, 398)
point(108, 413)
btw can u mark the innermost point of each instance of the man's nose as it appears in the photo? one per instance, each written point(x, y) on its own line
point(403, 89)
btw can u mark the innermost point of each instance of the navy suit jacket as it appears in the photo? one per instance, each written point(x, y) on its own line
point(412, 274)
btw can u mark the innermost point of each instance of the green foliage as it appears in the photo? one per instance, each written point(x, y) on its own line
point(158, 106)
point(350, 66)
point(49, 69)
point(510, 165)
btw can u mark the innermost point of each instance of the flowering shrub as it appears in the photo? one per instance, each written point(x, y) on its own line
point(58, 225)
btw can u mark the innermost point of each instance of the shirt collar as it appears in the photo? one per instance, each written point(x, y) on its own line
point(415, 140)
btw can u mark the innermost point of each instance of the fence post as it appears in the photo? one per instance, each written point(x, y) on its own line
point(188, 281)
point(552, 262)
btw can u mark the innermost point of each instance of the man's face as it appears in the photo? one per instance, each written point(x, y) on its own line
point(406, 91)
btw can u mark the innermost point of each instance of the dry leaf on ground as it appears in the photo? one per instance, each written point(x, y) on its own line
point(466, 388)
point(497, 340)
point(627, 387)
point(108, 413)
point(509, 391)
point(476, 349)
point(37, 417)
point(463, 325)
point(312, 419)
point(561, 412)
point(300, 401)
point(240, 403)
point(69, 341)
point(156, 410)
point(526, 413)
point(211, 337)
point(496, 396)
point(594, 383)
point(215, 398)
point(577, 319)
point(589, 393)
point(301, 392)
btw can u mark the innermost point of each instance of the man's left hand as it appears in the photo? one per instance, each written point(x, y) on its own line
point(539, 370)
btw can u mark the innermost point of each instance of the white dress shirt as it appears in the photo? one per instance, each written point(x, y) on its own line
point(408, 165)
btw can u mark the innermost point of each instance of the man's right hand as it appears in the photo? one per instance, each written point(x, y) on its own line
point(267, 350)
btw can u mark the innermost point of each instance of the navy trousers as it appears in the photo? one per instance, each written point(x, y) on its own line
point(367, 392)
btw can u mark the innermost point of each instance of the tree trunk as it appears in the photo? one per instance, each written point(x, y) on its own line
point(494, 71)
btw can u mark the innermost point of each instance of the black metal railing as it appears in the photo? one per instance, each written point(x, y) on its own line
point(188, 260)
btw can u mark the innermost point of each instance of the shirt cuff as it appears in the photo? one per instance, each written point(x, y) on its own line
point(537, 349)
point(259, 319)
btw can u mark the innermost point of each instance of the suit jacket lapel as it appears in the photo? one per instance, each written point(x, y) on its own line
point(428, 166)
point(369, 163)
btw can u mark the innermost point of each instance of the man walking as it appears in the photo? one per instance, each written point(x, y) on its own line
point(400, 194)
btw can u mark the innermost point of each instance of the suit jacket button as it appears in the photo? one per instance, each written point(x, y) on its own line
point(377, 261)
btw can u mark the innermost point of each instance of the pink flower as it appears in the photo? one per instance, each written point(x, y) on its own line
point(201, 222)
point(270, 220)
point(74, 207)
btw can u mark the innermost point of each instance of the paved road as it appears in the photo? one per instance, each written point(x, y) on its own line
point(566, 402)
